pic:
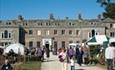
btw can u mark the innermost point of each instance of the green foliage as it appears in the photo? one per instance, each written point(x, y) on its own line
point(31, 66)
point(110, 11)
point(109, 8)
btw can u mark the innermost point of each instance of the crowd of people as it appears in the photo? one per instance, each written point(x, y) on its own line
point(71, 54)
point(81, 55)
point(41, 53)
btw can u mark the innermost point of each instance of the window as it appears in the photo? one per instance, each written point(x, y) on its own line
point(30, 44)
point(9, 35)
point(77, 41)
point(70, 32)
point(63, 32)
point(47, 32)
point(70, 41)
point(96, 33)
point(39, 32)
point(30, 32)
point(63, 44)
point(6, 34)
point(92, 23)
point(111, 25)
point(55, 44)
point(77, 32)
point(93, 33)
point(55, 32)
point(6, 43)
point(2, 44)
point(70, 23)
point(112, 34)
point(57, 24)
point(47, 23)
point(38, 43)
point(8, 23)
point(2, 35)
point(89, 34)
point(40, 23)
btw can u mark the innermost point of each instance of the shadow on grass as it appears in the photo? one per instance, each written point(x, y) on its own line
point(31, 66)
point(79, 69)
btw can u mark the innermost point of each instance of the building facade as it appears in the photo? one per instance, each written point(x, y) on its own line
point(53, 32)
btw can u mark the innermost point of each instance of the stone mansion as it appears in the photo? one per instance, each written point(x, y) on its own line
point(55, 32)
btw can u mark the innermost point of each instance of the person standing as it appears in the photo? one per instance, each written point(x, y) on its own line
point(62, 58)
point(86, 55)
point(39, 53)
point(7, 66)
point(72, 63)
point(80, 56)
point(70, 53)
point(110, 55)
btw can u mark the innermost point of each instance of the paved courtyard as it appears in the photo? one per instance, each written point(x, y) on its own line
point(54, 64)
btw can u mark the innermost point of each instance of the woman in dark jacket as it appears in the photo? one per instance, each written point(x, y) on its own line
point(6, 66)
point(79, 56)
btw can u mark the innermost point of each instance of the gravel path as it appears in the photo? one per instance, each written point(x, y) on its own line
point(54, 64)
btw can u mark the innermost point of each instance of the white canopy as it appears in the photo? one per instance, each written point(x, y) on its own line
point(97, 40)
point(2, 47)
point(112, 40)
point(17, 48)
point(74, 44)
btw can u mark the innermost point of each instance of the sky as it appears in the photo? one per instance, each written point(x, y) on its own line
point(40, 9)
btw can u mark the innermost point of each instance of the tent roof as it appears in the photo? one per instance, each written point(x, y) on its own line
point(17, 48)
point(112, 40)
point(98, 40)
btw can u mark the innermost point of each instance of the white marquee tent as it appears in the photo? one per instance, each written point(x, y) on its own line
point(17, 48)
point(112, 40)
point(98, 40)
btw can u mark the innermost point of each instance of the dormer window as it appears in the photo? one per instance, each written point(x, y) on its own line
point(39, 23)
point(47, 23)
point(91, 23)
point(70, 23)
point(8, 23)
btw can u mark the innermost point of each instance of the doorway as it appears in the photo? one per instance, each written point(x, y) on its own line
point(47, 45)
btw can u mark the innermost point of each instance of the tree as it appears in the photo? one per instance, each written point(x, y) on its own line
point(109, 8)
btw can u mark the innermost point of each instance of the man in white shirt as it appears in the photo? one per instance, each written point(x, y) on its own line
point(110, 55)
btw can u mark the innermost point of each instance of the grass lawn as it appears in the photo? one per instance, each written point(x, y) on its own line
point(31, 66)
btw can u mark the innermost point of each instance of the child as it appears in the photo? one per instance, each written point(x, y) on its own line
point(72, 63)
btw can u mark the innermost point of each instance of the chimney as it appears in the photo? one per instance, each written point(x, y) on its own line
point(20, 18)
point(79, 16)
point(51, 16)
point(99, 17)
point(66, 18)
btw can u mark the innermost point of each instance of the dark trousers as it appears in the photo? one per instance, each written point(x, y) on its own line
point(80, 61)
point(72, 67)
point(86, 60)
point(109, 64)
